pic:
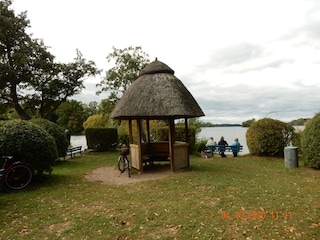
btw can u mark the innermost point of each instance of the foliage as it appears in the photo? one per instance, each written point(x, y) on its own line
point(101, 118)
point(56, 132)
point(162, 135)
point(92, 108)
point(101, 139)
point(53, 90)
point(268, 137)
point(123, 132)
point(299, 121)
point(248, 122)
point(181, 136)
point(310, 142)
point(201, 145)
point(28, 142)
point(128, 63)
point(296, 140)
point(97, 121)
point(7, 112)
point(158, 132)
point(207, 124)
point(106, 106)
point(192, 122)
point(30, 80)
point(71, 115)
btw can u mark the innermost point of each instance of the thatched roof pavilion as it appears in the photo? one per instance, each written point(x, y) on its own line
point(157, 94)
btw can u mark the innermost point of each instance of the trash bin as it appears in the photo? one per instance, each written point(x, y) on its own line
point(291, 157)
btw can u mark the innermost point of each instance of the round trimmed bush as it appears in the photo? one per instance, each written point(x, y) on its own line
point(269, 137)
point(29, 143)
point(56, 132)
point(310, 140)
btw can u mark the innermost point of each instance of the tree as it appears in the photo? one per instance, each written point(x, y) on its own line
point(30, 80)
point(106, 106)
point(71, 115)
point(193, 122)
point(97, 121)
point(248, 122)
point(92, 108)
point(53, 89)
point(299, 121)
point(128, 63)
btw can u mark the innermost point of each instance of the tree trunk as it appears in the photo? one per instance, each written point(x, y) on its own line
point(22, 113)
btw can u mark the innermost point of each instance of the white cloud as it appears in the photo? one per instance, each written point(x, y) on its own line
point(239, 59)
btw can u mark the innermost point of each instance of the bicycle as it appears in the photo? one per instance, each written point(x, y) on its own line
point(123, 162)
point(15, 174)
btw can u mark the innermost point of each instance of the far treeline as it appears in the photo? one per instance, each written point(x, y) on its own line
point(296, 122)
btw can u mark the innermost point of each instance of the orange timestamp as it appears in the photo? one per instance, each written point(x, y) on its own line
point(256, 215)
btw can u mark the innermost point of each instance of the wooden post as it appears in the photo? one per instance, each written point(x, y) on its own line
point(186, 129)
point(171, 143)
point(148, 130)
point(187, 137)
point(139, 144)
point(130, 132)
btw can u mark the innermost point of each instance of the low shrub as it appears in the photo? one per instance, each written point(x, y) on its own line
point(56, 132)
point(310, 139)
point(269, 137)
point(29, 143)
point(201, 145)
point(101, 139)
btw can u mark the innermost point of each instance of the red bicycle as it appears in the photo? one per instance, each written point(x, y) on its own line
point(15, 174)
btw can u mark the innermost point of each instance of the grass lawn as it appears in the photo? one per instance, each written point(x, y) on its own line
point(220, 198)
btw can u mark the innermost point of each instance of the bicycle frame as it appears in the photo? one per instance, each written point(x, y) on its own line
point(123, 164)
point(15, 174)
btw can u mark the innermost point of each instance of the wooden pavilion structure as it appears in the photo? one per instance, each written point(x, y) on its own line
point(157, 95)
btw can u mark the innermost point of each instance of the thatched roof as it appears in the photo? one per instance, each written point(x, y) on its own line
point(156, 94)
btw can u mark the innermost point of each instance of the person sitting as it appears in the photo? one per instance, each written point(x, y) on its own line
point(222, 143)
point(235, 147)
point(211, 145)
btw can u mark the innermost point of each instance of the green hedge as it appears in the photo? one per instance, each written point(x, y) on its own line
point(29, 143)
point(56, 132)
point(101, 139)
point(310, 142)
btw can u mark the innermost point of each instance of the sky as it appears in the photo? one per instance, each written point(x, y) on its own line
point(240, 59)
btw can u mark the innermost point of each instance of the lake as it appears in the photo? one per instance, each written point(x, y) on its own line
point(229, 133)
point(79, 140)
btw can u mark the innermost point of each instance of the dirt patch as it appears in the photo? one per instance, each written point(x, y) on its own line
point(111, 175)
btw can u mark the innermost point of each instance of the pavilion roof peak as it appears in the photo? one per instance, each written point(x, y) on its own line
point(156, 67)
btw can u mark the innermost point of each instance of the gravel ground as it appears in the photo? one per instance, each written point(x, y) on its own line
point(111, 175)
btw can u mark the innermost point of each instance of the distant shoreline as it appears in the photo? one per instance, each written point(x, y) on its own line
point(224, 125)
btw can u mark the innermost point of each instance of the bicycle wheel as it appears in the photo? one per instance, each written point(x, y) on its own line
point(121, 164)
point(18, 176)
